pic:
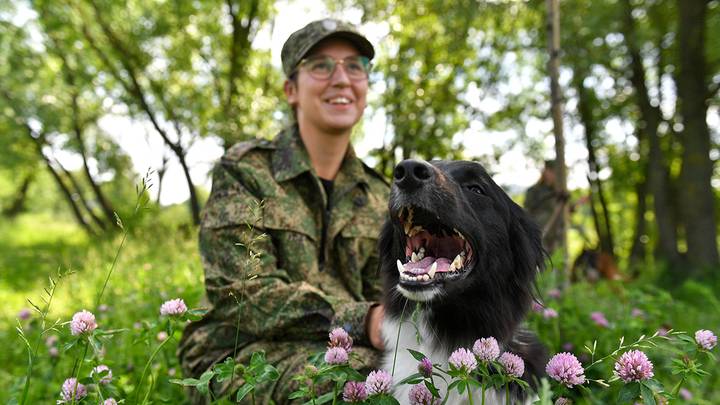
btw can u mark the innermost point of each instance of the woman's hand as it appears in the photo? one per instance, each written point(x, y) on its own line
point(375, 318)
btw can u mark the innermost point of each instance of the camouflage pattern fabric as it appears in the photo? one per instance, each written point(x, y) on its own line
point(260, 242)
point(302, 40)
point(540, 203)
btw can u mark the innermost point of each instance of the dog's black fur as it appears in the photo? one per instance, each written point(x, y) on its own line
point(491, 296)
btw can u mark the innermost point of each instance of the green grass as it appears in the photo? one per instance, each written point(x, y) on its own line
point(157, 263)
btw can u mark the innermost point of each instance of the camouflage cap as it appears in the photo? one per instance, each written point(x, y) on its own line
point(302, 40)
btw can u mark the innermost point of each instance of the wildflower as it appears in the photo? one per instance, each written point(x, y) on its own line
point(161, 336)
point(554, 293)
point(103, 308)
point(599, 319)
point(105, 379)
point(24, 314)
point(354, 391)
point(513, 364)
point(82, 322)
point(537, 307)
point(563, 401)
point(72, 389)
point(566, 369)
point(173, 307)
point(568, 347)
point(378, 382)
point(420, 395)
point(51, 340)
point(340, 338)
point(549, 313)
point(137, 325)
point(685, 394)
point(53, 352)
point(705, 339)
point(463, 359)
point(637, 313)
point(171, 371)
point(110, 401)
point(336, 355)
point(486, 349)
point(425, 367)
point(634, 366)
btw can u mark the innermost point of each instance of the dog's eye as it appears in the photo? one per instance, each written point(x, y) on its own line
point(475, 189)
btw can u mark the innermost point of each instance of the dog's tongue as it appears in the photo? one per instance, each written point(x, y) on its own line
point(423, 266)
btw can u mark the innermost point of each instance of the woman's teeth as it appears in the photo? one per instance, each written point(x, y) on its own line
point(339, 100)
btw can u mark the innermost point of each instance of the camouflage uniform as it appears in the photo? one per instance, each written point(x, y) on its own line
point(290, 293)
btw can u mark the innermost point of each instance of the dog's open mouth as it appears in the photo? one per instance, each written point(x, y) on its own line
point(434, 251)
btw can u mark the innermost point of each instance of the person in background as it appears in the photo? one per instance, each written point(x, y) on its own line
point(541, 202)
point(289, 233)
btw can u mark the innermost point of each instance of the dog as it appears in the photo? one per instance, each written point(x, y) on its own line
point(457, 247)
point(593, 265)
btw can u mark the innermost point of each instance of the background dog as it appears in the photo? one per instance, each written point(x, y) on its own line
point(459, 247)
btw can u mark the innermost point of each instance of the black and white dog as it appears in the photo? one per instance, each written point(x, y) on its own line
point(460, 247)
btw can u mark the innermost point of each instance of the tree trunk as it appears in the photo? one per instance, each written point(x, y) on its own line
point(553, 33)
point(80, 195)
point(161, 175)
point(638, 251)
point(697, 200)
point(105, 206)
point(61, 184)
point(194, 203)
point(602, 222)
point(658, 174)
point(18, 203)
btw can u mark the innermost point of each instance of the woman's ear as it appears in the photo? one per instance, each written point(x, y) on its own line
point(290, 88)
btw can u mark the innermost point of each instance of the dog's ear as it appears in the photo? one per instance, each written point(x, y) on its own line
point(525, 242)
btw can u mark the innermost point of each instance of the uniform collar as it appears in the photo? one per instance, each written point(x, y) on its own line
point(292, 159)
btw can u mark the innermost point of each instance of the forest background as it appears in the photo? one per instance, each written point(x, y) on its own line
point(454, 79)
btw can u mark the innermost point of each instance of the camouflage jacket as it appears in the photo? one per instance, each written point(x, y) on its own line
point(260, 241)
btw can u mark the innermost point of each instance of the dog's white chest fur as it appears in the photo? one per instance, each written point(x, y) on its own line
point(406, 365)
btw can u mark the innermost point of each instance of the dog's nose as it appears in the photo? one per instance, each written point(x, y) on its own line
point(411, 174)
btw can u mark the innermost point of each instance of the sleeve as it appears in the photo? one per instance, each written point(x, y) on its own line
point(243, 281)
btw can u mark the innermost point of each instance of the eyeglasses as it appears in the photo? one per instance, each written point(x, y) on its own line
point(323, 67)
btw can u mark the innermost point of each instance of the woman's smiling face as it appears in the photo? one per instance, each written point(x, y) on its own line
point(333, 105)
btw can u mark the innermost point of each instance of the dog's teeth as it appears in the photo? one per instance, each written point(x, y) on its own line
point(458, 262)
point(422, 250)
point(452, 267)
point(414, 258)
point(432, 271)
point(420, 254)
point(415, 230)
point(400, 267)
point(407, 226)
point(425, 277)
point(462, 253)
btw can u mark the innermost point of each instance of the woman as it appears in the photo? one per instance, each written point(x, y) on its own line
point(289, 233)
